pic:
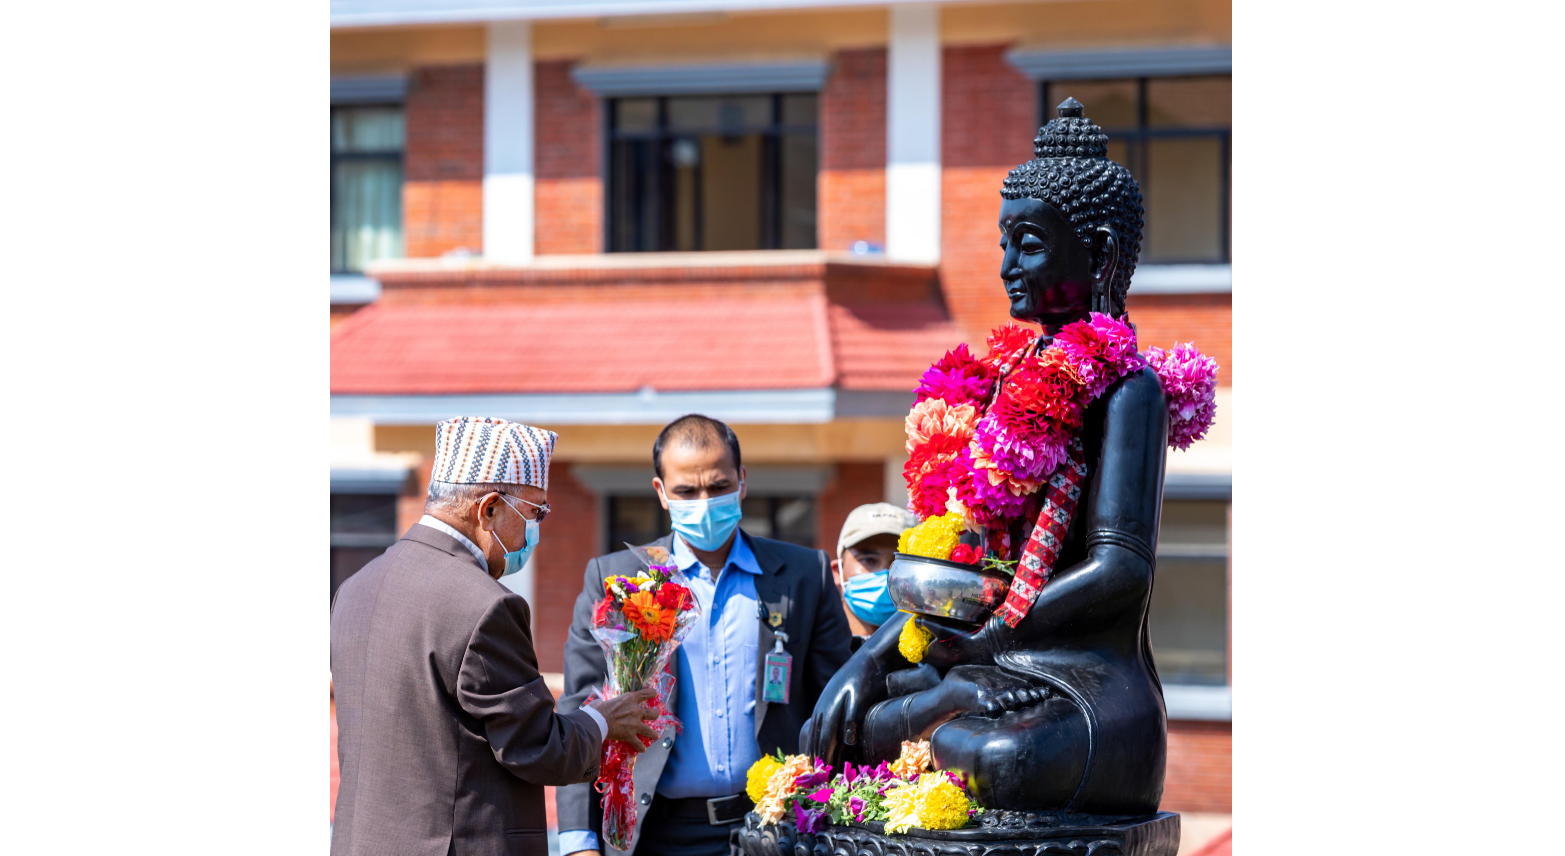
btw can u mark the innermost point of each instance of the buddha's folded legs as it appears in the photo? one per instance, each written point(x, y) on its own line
point(1028, 759)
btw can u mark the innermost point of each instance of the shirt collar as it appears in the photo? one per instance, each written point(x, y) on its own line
point(739, 556)
point(442, 526)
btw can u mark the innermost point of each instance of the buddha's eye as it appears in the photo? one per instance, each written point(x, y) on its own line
point(1032, 244)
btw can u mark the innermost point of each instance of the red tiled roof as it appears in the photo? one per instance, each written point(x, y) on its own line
point(404, 349)
point(887, 346)
point(703, 344)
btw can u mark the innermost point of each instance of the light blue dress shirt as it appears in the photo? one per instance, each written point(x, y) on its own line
point(714, 685)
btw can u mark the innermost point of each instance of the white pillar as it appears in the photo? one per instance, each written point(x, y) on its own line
point(896, 484)
point(913, 134)
point(508, 143)
point(522, 583)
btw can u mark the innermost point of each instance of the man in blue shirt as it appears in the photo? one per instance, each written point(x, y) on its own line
point(757, 596)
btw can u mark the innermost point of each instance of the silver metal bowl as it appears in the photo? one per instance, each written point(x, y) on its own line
point(945, 589)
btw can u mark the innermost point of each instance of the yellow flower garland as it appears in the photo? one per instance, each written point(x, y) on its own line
point(933, 802)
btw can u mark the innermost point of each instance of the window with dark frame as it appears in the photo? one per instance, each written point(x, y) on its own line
point(1175, 136)
point(720, 172)
point(366, 185)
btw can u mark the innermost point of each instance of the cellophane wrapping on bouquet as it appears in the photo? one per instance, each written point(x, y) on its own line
point(639, 622)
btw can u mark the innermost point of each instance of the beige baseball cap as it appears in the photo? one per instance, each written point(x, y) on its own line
point(879, 518)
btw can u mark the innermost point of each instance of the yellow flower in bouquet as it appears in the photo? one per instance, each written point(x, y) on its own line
point(935, 538)
point(914, 759)
point(914, 641)
point(760, 773)
point(932, 802)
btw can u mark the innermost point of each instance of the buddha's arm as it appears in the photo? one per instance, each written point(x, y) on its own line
point(1122, 517)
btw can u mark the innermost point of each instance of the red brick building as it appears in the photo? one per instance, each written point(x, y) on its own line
point(774, 213)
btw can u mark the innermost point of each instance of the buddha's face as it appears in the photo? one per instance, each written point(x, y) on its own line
point(1048, 274)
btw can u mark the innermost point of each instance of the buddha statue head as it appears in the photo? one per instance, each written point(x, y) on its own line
point(1070, 225)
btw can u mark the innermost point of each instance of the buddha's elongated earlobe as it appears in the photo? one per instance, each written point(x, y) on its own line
point(1105, 263)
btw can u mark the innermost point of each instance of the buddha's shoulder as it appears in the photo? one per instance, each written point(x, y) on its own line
point(1141, 385)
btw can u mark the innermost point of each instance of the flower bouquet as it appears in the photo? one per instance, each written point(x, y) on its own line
point(903, 794)
point(639, 622)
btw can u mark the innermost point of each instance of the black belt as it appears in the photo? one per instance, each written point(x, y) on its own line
point(718, 811)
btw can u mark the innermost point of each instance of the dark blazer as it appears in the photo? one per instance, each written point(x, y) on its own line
point(446, 733)
point(795, 581)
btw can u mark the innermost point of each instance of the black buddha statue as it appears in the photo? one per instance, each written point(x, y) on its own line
point(1063, 712)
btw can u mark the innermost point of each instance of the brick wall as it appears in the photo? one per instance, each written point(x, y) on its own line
point(855, 484)
point(569, 188)
point(851, 188)
point(1200, 767)
point(443, 167)
point(988, 120)
point(570, 541)
point(1162, 319)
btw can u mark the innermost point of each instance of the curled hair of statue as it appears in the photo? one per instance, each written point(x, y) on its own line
point(1071, 171)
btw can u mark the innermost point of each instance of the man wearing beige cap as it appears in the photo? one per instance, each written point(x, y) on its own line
point(446, 732)
point(864, 552)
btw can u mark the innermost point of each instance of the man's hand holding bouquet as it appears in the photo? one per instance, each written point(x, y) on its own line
point(639, 622)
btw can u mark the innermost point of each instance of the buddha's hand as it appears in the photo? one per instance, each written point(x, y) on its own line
point(955, 644)
point(859, 685)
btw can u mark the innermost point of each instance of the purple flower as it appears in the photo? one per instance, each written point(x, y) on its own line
point(813, 779)
point(1030, 457)
point(882, 772)
point(856, 806)
point(823, 795)
point(809, 820)
point(631, 587)
point(848, 773)
point(1189, 380)
point(956, 780)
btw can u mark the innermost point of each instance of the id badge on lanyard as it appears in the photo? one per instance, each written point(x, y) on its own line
point(778, 670)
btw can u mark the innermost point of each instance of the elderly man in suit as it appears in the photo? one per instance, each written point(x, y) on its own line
point(772, 633)
point(446, 732)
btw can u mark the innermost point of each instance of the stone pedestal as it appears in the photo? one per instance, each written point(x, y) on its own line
point(1040, 835)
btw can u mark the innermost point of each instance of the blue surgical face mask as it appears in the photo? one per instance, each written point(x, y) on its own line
point(705, 524)
point(869, 598)
point(515, 559)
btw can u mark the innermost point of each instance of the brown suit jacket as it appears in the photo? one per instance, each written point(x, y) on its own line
point(446, 733)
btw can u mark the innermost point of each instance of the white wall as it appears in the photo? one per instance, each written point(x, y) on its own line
point(913, 134)
point(508, 143)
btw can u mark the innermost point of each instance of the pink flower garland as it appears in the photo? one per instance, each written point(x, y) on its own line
point(1190, 383)
point(987, 467)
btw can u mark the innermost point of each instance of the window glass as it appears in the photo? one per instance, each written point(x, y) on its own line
point(731, 184)
point(636, 115)
point(1110, 103)
point(1189, 102)
point(366, 186)
point(728, 114)
point(800, 165)
point(1183, 184)
point(367, 130)
point(1188, 620)
point(799, 108)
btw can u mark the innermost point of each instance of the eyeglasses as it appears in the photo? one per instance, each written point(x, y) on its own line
point(543, 510)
